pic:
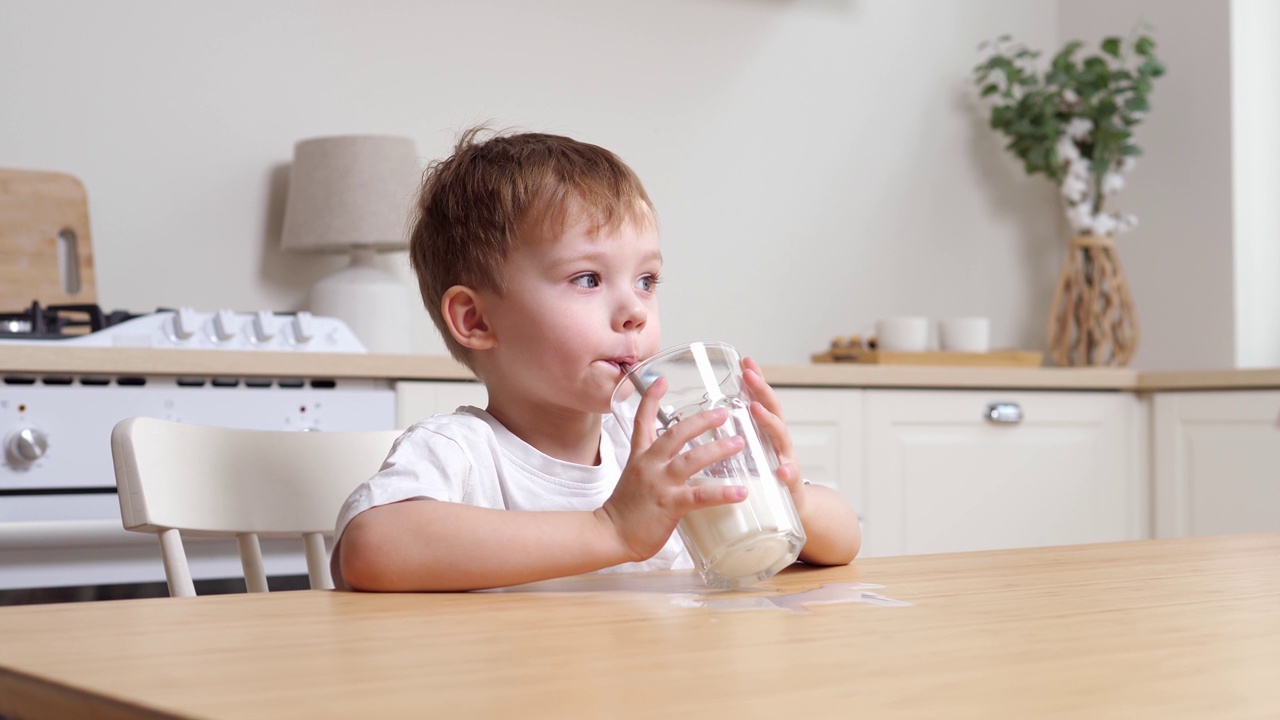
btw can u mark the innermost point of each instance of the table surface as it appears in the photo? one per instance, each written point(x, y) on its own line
point(1153, 629)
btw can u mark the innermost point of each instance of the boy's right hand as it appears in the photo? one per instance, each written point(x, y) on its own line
point(653, 493)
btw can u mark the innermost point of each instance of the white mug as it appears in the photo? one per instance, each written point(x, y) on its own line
point(903, 334)
point(966, 335)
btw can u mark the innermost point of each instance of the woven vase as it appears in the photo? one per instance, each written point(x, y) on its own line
point(1092, 321)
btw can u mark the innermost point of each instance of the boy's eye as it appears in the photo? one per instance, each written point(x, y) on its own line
point(587, 280)
point(647, 283)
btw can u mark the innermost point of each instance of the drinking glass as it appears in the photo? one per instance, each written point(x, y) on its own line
point(738, 543)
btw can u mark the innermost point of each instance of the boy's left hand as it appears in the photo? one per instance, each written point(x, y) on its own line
point(767, 412)
point(833, 535)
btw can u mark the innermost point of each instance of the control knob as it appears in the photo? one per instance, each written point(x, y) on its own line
point(26, 445)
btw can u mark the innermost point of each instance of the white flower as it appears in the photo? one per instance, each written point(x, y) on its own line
point(1127, 163)
point(1080, 216)
point(1081, 168)
point(1067, 150)
point(1070, 97)
point(1104, 224)
point(1128, 221)
point(1112, 183)
point(1074, 188)
point(1079, 128)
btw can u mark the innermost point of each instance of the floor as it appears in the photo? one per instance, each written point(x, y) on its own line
point(87, 593)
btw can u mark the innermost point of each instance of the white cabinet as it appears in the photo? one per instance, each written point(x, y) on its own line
point(826, 427)
point(1217, 462)
point(943, 476)
point(421, 399)
point(927, 471)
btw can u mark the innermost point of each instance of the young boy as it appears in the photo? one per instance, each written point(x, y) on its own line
point(538, 258)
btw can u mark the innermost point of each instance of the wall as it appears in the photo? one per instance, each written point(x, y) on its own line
point(825, 157)
point(1255, 129)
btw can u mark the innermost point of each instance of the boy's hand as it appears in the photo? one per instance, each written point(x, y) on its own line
point(767, 412)
point(653, 493)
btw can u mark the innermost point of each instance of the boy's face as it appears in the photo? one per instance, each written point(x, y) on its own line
point(574, 309)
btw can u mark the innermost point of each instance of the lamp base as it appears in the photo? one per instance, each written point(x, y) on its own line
point(372, 301)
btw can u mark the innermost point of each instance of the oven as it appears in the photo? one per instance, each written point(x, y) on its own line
point(59, 515)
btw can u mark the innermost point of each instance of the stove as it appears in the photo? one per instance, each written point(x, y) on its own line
point(59, 515)
point(184, 328)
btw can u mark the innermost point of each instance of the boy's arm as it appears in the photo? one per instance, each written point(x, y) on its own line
point(435, 545)
point(833, 536)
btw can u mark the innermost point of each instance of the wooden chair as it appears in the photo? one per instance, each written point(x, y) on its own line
point(178, 479)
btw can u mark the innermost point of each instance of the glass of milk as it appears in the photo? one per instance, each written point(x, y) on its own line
point(739, 543)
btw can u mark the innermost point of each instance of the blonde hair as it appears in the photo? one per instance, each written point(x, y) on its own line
point(491, 194)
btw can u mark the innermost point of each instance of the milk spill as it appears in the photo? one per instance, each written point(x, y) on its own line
point(828, 594)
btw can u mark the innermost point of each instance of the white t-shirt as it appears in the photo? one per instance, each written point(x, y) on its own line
point(469, 457)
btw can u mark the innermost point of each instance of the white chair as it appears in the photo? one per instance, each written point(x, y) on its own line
point(179, 479)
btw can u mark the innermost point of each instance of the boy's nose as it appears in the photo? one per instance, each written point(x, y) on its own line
point(632, 315)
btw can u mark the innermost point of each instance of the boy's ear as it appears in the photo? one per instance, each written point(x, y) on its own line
point(463, 312)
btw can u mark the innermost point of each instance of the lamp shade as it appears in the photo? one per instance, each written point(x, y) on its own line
point(350, 191)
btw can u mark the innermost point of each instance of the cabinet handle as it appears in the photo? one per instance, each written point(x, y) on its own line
point(1004, 413)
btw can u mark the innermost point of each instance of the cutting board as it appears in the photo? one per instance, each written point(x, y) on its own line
point(995, 358)
point(46, 252)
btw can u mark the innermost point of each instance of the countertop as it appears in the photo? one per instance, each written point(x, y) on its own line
point(17, 360)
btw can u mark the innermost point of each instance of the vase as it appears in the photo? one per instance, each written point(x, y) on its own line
point(1092, 321)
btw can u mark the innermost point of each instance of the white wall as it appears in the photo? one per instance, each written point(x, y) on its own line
point(1255, 115)
point(822, 156)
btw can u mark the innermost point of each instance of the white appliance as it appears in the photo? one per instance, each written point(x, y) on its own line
point(59, 515)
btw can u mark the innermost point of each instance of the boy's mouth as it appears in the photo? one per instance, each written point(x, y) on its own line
point(624, 363)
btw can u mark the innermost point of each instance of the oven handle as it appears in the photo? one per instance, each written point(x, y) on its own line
point(41, 534)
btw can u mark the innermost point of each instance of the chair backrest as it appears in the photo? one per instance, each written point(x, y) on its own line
point(178, 478)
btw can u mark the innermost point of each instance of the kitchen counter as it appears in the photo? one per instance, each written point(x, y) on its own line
point(20, 359)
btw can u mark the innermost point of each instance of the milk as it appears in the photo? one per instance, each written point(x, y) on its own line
point(742, 542)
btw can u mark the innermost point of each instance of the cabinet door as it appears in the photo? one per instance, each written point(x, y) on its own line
point(942, 476)
point(416, 400)
point(826, 427)
point(1217, 462)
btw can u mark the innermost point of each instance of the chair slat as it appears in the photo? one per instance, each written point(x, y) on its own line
point(176, 570)
point(255, 572)
point(317, 562)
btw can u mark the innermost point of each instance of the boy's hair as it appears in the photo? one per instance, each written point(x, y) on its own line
point(492, 194)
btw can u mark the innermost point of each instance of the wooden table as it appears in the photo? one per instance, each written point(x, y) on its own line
point(1159, 629)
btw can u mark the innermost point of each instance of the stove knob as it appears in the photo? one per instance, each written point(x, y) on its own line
point(185, 323)
point(304, 326)
point(27, 445)
point(263, 327)
point(225, 325)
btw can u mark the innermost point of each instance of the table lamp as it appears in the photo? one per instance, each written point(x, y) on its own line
point(353, 194)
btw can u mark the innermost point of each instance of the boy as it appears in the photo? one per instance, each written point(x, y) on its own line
point(538, 258)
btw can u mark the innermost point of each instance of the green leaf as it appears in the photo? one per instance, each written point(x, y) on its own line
point(1137, 103)
point(1111, 46)
point(1131, 151)
point(1144, 46)
point(1062, 61)
point(991, 89)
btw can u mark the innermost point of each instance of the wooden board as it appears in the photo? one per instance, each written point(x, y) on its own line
point(997, 358)
point(46, 252)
